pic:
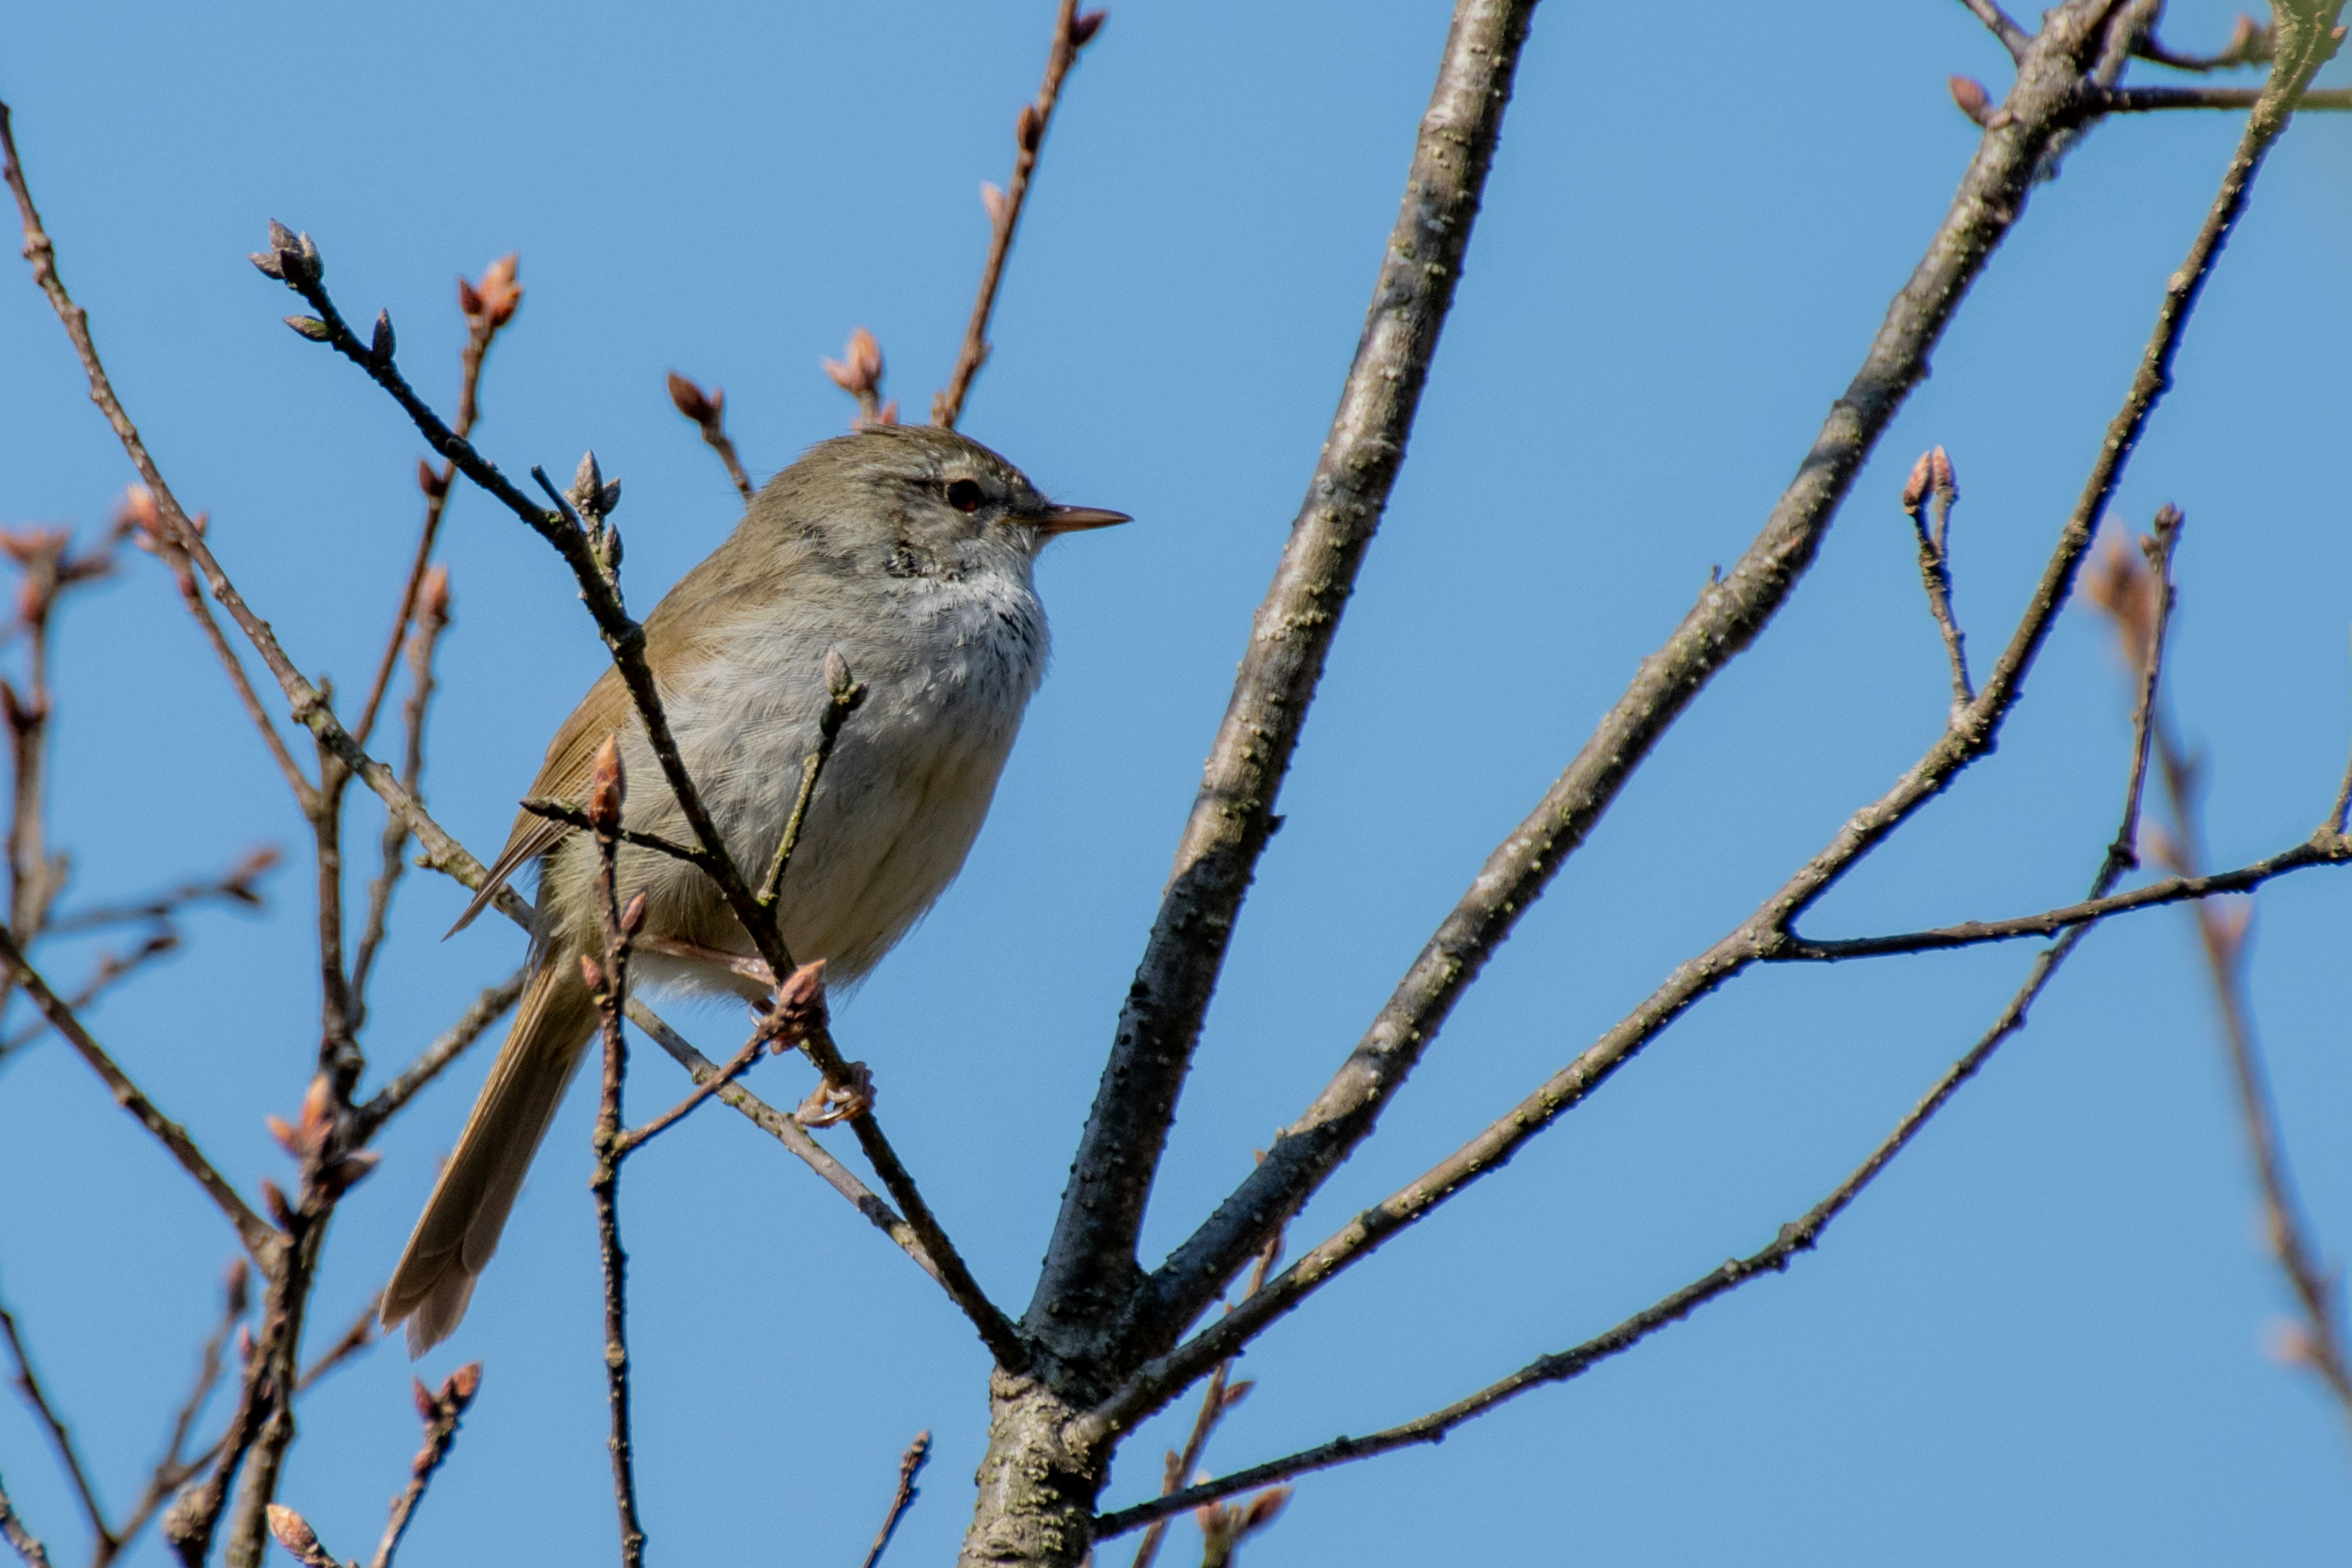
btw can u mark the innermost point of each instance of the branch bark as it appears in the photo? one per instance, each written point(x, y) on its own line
point(2046, 100)
point(1306, 1152)
point(1091, 1274)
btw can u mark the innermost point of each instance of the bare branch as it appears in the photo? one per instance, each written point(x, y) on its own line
point(843, 695)
point(910, 1465)
point(2250, 44)
point(2150, 99)
point(2013, 38)
point(1799, 1235)
point(610, 982)
point(2332, 849)
point(174, 1468)
point(261, 1239)
point(430, 609)
point(1311, 1147)
point(12, 1529)
point(488, 1007)
point(1728, 616)
point(440, 1413)
point(570, 815)
point(708, 412)
point(1932, 475)
point(488, 307)
point(631, 1141)
point(1090, 1265)
point(36, 1398)
point(235, 886)
point(1072, 32)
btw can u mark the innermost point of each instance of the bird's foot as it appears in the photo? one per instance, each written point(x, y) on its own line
point(832, 1103)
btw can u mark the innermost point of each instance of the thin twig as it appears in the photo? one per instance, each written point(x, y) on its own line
point(2250, 44)
point(1932, 476)
point(610, 982)
point(910, 1465)
point(1215, 1401)
point(2331, 849)
point(1072, 32)
point(2149, 100)
point(488, 1007)
point(440, 1413)
point(488, 307)
point(631, 1141)
point(842, 696)
point(261, 1239)
point(235, 886)
point(365, 1332)
point(174, 1468)
point(111, 970)
point(2013, 38)
point(1311, 1147)
point(163, 527)
point(570, 815)
point(708, 412)
point(431, 611)
point(28, 1384)
point(1799, 1235)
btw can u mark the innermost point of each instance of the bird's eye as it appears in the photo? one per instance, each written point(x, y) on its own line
point(964, 496)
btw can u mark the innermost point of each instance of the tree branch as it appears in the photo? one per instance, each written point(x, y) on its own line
point(2331, 849)
point(2013, 38)
point(910, 1465)
point(1307, 1151)
point(261, 1239)
point(1090, 1271)
point(1072, 32)
point(60, 1436)
point(1800, 1235)
point(1728, 616)
point(12, 1529)
point(489, 1008)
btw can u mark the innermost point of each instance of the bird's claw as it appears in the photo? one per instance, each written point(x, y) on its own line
point(830, 1104)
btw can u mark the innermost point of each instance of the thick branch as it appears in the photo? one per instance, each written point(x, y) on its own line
point(1799, 1235)
point(1310, 1149)
point(1728, 617)
point(1090, 1267)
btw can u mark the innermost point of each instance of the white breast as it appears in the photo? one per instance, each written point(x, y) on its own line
point(948, 665)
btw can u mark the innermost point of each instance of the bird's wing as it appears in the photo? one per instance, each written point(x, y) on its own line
point(564, 775)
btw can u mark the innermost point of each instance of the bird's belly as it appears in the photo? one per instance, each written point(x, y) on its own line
point(897, 807)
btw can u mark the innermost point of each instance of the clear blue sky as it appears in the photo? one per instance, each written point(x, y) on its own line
point(2040, 1339)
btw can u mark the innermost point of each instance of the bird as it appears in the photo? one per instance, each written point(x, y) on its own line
point(904, 551)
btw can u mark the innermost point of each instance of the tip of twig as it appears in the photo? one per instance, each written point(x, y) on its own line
point(1941, 476)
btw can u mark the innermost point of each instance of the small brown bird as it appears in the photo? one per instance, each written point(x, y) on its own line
point(908, 549)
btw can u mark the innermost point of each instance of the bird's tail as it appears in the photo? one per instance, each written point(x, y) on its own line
point(459, 1228)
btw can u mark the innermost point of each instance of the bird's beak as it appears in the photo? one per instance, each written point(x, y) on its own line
point(1060, 520)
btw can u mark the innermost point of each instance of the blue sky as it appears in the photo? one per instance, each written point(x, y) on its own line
point(2040, 1338)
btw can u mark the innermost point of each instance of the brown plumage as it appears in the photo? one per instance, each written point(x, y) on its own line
point(908, 549)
